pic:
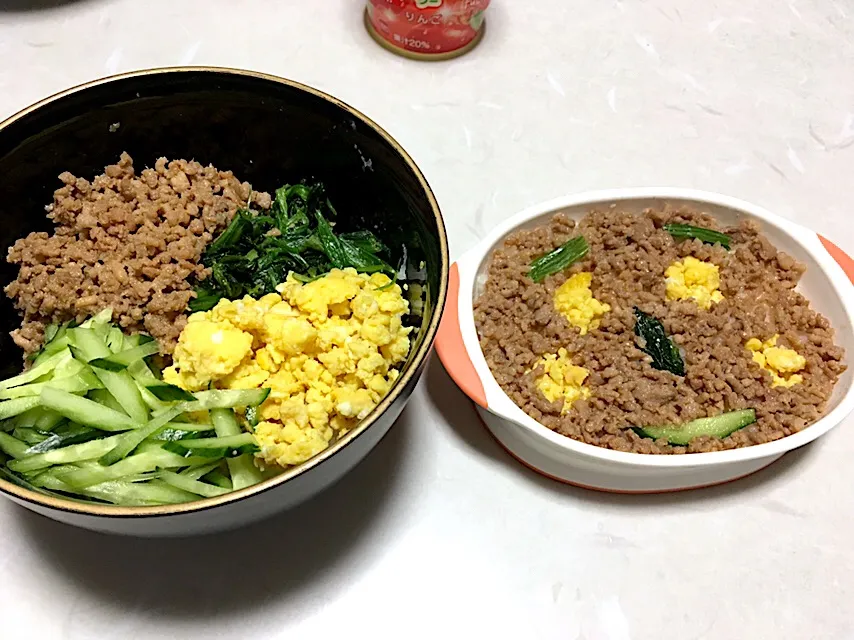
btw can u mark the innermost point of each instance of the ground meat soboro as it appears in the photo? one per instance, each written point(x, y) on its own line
point(127, 241)
point(517, 323)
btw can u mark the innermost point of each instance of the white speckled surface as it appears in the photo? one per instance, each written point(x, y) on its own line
point(438, 533)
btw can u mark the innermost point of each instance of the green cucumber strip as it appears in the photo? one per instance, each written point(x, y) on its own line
point(11, 446)
point(122, 492)
point(120, 384)
point(561, 258)
point(48, 421)
point(194, 473)
point(193, 486)
point(169, 392)
point(123, 359)
point(48, 365)
point(51, 349)
point(243, 471)
point(225, 423)
point(71, 434)
point(194, 427)
point(87, 345)
point(115, 339)
point(684, 231)
point(252, 416)
point(106, 364)
point(12, 408)
point(179, 447)
point(84, 411)
point(27, 419)
point(101, 318)
point(29, 435)
point(155, 404)
point(67, 367)
point(172, 434)
point(50, 332)
point(220, 480)
point(719, 426)
point(90, 450)
point(104, 397)
point(141, 372)
point(132, 439)
point(220, 442)
point(79, 383)
point(220, 447)
point(135, 340)
point(230, 398)
point(123, 388)
point(140, 462)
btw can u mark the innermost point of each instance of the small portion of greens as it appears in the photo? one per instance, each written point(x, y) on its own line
point(687, 231)
point(561, 258)
point(665, 355)
point(257, 250)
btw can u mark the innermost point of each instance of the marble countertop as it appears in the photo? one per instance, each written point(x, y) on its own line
point(438, 533)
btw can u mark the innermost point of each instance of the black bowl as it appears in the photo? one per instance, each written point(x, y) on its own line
point(268, 131)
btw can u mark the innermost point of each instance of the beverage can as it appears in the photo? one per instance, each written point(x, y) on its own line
point(427, 29)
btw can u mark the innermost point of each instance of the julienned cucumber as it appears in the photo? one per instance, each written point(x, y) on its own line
point(243, 471)
point(193, 486)
point(72, 453)
point(85, 411)
point(90, 380)
point(231, 398)
point(130, 440)
point(146, 460)
point(132, 494)
point(121, 360)
point(220, 447)
point(715, 426)
point(12, 408)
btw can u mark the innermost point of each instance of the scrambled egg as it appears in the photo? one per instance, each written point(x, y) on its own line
point(575, 301)
point(693, 279)
point(562, 379)
point(780, 362)
point(326, 350)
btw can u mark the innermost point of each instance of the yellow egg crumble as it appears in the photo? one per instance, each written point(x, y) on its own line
point(780, 362)
point(693, 279)
point(326, 350)
point(562, 379)
point(575, 301)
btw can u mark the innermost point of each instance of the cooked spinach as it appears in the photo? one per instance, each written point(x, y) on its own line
point(665, 355)
point(257, 250)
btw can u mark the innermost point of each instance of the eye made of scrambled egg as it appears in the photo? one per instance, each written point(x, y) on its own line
point(561, 379)
point(327, 350)
point(780, 362)
point(693, 279)
point(575, 301)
